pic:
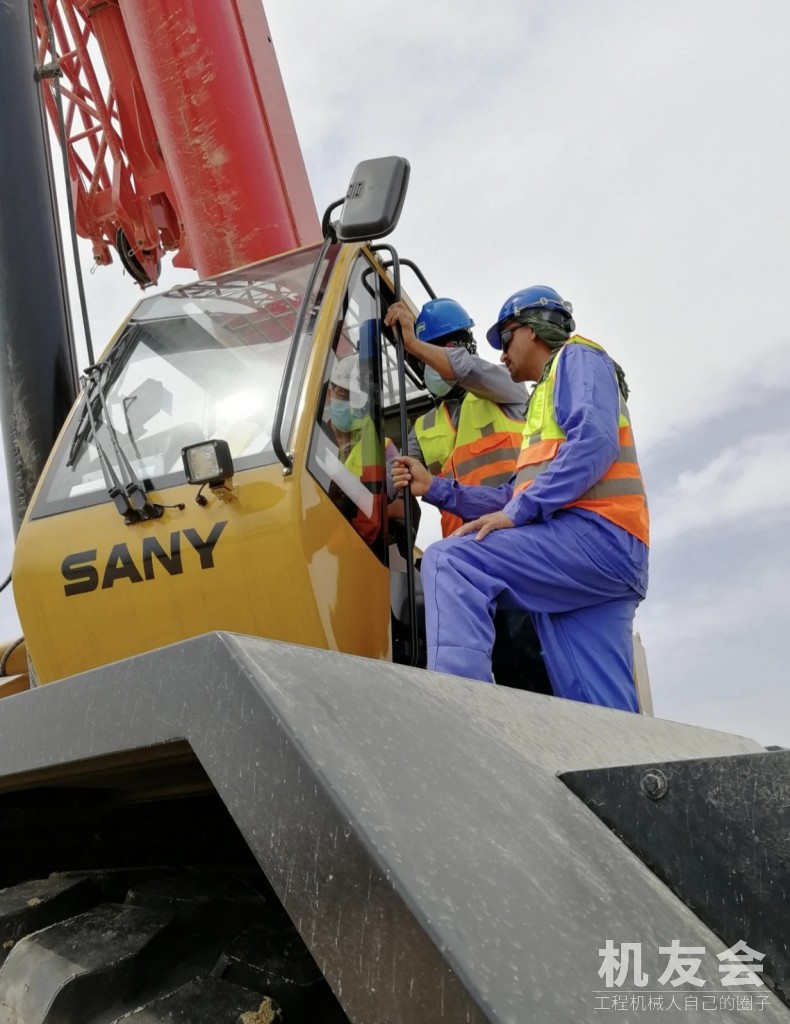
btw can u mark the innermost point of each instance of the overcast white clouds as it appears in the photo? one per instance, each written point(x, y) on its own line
point(747, 482)
point(636, 156)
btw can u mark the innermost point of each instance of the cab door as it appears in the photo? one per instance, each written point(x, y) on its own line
point(345, 484)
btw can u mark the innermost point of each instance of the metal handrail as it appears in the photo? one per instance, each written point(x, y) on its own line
point(286, 458)
point(411, 584)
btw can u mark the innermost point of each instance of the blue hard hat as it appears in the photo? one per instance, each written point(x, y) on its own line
point(537, 297)
point(440, 317)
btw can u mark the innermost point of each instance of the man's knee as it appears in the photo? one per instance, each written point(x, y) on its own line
point(439, 554)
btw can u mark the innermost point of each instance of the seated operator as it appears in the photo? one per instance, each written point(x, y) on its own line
point(566, 539)
point(359, 447)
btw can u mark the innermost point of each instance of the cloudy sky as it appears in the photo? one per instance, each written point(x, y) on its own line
point(637, 158)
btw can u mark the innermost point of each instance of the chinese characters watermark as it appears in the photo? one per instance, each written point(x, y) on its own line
point(624, 976)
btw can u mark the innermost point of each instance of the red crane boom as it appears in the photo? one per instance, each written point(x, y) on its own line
point(179, 135)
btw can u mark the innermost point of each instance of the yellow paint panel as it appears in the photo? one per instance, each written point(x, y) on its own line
point(264, 564)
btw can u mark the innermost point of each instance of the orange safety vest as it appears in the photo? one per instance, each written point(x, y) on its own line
point(483, 450)
point(619, 495)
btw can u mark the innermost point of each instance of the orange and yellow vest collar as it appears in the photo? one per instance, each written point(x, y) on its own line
point(482, 450)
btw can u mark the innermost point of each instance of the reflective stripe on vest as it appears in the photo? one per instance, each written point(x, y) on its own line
point(486, 448)
point(435, 433)
point(487, 444)
point(619, 495)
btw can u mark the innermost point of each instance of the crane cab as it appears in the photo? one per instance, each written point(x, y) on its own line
point(301, 555)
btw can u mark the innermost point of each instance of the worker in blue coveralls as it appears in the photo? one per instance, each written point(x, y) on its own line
point(473, 435)
point(566, 538)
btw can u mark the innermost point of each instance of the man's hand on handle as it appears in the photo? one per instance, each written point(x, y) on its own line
point(399, 313)
point(434, 356)
point(406, 470)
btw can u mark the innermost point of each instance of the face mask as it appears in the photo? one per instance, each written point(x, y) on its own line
point(436, 384)
point(341, 414)
point(345, 416)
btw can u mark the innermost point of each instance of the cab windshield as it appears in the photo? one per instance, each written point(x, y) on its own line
point(201, 361)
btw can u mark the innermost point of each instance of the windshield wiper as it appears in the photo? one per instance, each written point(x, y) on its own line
point(113, 362)
point(127, 491)
point(82, 431)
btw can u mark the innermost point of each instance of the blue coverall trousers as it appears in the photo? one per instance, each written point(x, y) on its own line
point(561, 571)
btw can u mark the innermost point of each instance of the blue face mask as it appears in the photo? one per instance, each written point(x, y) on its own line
point(341, 414)
point(436, 384)
point(344, 415)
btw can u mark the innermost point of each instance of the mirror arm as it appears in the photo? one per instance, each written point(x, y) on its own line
point(327, 227)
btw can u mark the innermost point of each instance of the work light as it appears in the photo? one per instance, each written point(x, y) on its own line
point(208, 462)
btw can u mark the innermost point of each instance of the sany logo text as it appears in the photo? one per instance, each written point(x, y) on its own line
point(84, 576)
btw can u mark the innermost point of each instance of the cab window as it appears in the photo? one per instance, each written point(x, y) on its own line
point(204, 360)
point(347, 450)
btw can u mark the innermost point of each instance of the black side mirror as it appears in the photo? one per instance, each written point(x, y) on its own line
point(374, 199)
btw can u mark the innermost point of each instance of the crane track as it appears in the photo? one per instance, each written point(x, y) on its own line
point(155, 946)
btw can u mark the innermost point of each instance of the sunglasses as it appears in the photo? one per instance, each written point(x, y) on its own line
point(506, 335)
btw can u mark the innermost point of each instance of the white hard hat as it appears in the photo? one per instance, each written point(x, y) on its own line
point(345, 374)
point(344, 371)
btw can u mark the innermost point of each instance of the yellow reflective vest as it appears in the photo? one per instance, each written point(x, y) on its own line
point(482, 450)
point(619, 495)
